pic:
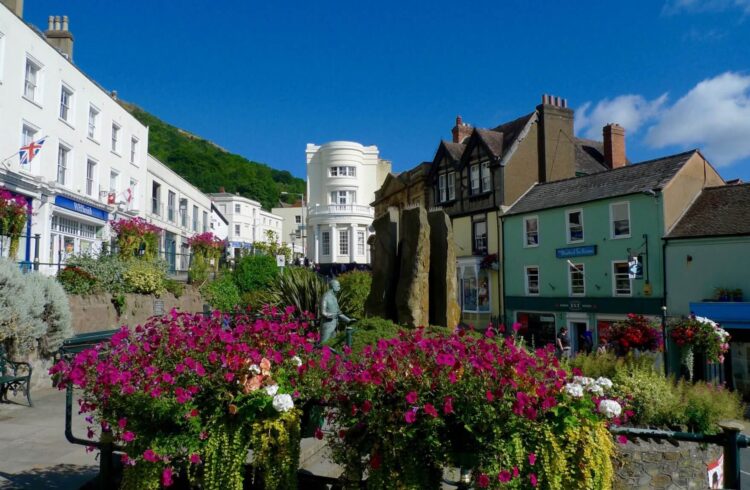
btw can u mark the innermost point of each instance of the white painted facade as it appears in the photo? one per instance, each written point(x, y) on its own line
point(179, 209)
point(342, 177)
point(93, 152)
point(293, 226)
point(248, 222)
point(219, 223)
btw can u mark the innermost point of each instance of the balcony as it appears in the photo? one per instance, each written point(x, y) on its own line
point(342, 209)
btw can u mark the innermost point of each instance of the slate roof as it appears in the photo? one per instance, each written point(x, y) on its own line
point(630, 179)
point(718, 211)
point(512, 130)
point(589, 156)
point(455, 150)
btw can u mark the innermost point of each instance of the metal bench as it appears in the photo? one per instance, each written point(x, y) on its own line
point(14, 381)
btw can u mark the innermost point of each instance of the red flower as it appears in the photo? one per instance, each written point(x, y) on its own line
point(504, 476)
point(411, 397)
point(483, 481)
point(448, 406)
point(429, 409)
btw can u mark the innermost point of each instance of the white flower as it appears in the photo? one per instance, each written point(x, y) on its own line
point(574, 389)
point(610, 408)
point(605, 383)
point(596, 389)
point(297, 361)
point(272, 390)
point(583, 380)
point(283, 402)
point(254, 369)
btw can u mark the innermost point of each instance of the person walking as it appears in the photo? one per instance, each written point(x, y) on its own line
point(563, 343)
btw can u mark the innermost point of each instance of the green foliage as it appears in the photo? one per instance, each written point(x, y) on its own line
point(76, 280)
point(255, 300)
point(55, 315)
point(177, 288)
point(107, 271)
point(254, 272)
point(222, 293)
point(706, 404)
point(355, 287)
point(607, 365)
point(272, 247)
point(276, 447)
point(119, 301)
point(298, 287)
point(198, 272)
point(655, 398)
point(145, 277)
point(209, 167)
point(369, 330)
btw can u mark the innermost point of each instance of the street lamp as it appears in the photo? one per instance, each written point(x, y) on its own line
point(292, 237)
point(304, 211)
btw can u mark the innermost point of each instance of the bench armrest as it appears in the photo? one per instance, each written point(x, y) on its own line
point(17, 365)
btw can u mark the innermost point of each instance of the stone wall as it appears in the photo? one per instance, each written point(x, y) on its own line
point(650, 465)
point(96, 312)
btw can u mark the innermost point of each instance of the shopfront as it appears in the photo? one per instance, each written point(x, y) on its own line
point(75, 228)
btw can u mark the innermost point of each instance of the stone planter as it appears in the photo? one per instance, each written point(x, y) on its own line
point(653, 465)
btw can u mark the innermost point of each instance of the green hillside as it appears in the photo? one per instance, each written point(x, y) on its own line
point(209, 167)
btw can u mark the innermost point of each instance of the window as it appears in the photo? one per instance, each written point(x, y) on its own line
point(184, 213)
point(342, 171)
point(90, 177)
point(132, 196)
point(66, 101)
point(133, 149)
point(195, 218)
point(575, 226)
point(360, 243)
point(451, 186)
point(532, 280)
point(171, 198)
point(113, 178)
point(156, 199)
point(237, 208)
point(531, 231)
point(93, 120)
point(205, 221)
point(28, 134)
point(622, 285)
point(475, 290)
point(576, 281)
point(442, 189)
point(344, 242)
point(619, 216)
point(480, 237)
point(343, 197)
point(31, 80)
point(63, 154)
point(325, 238)
point(115, 138)
point(237, 230)
point(486, 177)
point(298, 219)
point(474, 175)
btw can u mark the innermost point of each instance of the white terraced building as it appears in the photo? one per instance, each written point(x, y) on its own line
point(342, 177)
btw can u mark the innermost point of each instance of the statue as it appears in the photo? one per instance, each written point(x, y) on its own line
point(330, 312)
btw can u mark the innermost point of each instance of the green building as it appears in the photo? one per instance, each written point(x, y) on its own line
point(584, 252)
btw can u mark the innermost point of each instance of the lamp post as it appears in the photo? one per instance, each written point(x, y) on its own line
point(304, 211)
point(292, 237)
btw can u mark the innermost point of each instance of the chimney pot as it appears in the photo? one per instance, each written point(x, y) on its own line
point(459, 121)
point(50, 22)
point(460, 131)
point(614, 146)
point(57, 22)
point(65, 23)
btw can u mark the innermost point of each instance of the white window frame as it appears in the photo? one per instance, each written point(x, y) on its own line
point(475, 237)
point(237, 208)
point(116, 180)
point(69, 115)
point(333, 172)
point(474, 178)
point(34, 94)
point(344, 242)
point(195, 217)
point(526, 243)
point(485, 176)
point(204, 217)
point(92, 129)
point(615, 275)
point(451, 186)
point(361, 243)
point(66, 164)
point(581, 269)
point(35, 129)
point(134, 147)
point(171, 203)
point(237, 230)
point(568, 228)
point(527, 283)
point(442, 188)
point(90, 177)
point(612, 206)
point(325, 243)
point(116, 131)
point(476, 274)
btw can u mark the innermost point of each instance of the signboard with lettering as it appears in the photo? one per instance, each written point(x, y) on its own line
point(78, 207)
point(565, 253)
point(635, 268)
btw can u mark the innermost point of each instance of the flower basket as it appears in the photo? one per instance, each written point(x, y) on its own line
point(699, 335)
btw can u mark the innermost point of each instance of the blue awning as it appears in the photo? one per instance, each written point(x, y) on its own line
point(726, 314)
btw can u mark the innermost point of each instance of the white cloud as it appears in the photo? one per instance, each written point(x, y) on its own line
point(629, 111)
point(714, 115)
point(672, 7)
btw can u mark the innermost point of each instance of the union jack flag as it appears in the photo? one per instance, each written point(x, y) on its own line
point(31, 150)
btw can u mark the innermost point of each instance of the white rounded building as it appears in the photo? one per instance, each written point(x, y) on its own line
point(342, 177)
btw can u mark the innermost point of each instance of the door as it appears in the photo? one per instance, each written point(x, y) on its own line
point(170, 250)
point(577, 331)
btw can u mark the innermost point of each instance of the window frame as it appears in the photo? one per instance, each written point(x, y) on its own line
point(37, 82)
point(475, 172)
point(90, 177)
point(171, 201)
point(325, 243)
point(476, 274)
point(69, 114)
point(361, 241)
point(195, 218)
point(475, 249)
point(237, 230)
point(615, 275)
point(612, 227)
point(526, 243)
point(485, 173)
point(116, 180)
point(237, 208)
point(134, 147)
point(568, 237)
point(581, 269)
point(527, 282)
point(66, 164)
point(451, 180)
point(344, 248)
point(115, 140)
point(442, 187)
point(92, 128)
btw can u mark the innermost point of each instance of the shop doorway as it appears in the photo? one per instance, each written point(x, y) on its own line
point(580, 336)
point(537, 329)
point(170, 250)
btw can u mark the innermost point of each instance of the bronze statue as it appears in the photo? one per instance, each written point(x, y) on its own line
point(330, 312)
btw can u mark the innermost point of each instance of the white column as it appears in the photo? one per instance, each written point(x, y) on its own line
point(352, 244)
point(316, 244)
point(334, 243)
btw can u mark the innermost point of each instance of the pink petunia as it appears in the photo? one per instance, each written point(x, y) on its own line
point(533, 479)
point(150, 456)
point(622, 439)
point(410, 416)
point(166, 477)
point(448, 405)
point(411, 397)
point(504, 476)
point(318, 434)
point(532, 458)
point(483, 481)
point(489, 396)
point(195, 458)
point(429, 409)
point(128, 436)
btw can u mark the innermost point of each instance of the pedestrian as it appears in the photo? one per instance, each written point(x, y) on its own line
point(563, 343)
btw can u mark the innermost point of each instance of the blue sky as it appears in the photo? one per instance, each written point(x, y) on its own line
point(263, 79)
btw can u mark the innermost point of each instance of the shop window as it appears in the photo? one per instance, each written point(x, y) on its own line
point(537, 329)
point(475, 288)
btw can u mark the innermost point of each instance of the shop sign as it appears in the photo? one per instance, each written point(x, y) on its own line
point(565, 253)
point(67, 203)
point(576, 306)
point(240, 245)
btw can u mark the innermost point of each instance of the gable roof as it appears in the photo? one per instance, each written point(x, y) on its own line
point(589, 156)
point(718, 211)
point(454, 150)
point(630, 179)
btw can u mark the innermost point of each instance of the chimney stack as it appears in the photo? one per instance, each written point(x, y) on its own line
point(614, 146)
point(556, 141)
point(16, 6)
point(59, 36)
point(461, 130)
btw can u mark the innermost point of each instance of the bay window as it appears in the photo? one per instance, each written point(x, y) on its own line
point(475, 288)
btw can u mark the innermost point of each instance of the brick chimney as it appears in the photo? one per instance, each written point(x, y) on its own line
point(614, 146)
point(59, 36)
point(556, 141)
point(461, 130)
point(16, 6)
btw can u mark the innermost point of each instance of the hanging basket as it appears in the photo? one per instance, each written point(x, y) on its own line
point(313, 418)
